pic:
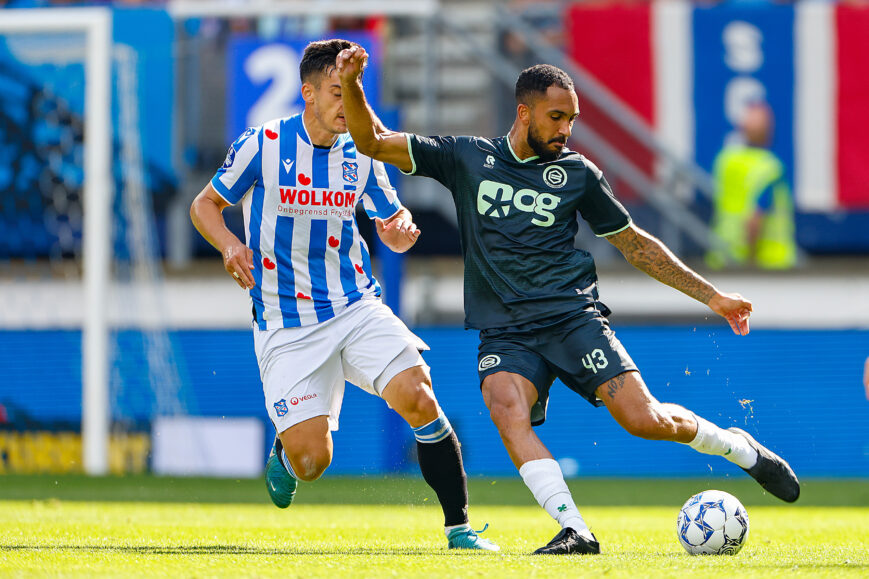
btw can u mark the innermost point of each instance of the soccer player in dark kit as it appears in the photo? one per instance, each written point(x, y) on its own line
point(533, 296)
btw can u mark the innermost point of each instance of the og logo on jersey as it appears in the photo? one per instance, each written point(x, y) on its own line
point(496, 199)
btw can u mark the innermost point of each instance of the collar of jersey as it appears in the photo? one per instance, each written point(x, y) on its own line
point(303, 131)
point(515, 156)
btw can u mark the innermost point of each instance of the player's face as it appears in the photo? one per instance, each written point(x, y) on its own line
point(324, 99)
point(551, 122)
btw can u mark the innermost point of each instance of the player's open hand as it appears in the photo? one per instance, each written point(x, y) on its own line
point(238, 262)
point(735, 309)
point(398, 232)
point(351, 62)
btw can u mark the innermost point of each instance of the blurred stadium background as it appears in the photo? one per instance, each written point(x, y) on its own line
point(126, 349)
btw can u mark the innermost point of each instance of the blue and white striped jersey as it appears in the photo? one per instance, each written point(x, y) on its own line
point(299, 215)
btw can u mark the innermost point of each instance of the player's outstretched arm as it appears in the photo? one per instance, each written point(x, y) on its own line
point(650, 255)
point(372, 138)
point(206, 212)
point(398, 232)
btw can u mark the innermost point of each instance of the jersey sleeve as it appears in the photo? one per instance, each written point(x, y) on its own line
point(433, 157)
point(242, 167)
point(379, 198)
point(599, 207)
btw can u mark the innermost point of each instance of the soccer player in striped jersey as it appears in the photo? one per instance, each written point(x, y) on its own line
point(318, 320)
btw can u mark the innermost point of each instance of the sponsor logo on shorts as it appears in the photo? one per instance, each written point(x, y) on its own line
point(489, 361)
point(296, 400)
point(281, 407)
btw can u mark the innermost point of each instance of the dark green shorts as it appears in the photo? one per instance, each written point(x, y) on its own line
point(582, 351)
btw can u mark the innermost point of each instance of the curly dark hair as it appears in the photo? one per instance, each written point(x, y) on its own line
point(319, 58)
point(536, 80)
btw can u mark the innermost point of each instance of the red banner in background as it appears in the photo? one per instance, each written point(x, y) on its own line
point(613, 43)
point(645, 55)
point(852, 50)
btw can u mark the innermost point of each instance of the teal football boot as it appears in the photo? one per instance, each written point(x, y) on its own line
point(468, 538)
point(281, 484)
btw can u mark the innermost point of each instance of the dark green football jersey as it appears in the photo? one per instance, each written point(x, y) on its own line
point(517, 221)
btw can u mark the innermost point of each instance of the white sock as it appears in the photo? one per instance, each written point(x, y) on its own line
point(463, 526)
point(285, 460)
point(546, 482)
point(713, 440)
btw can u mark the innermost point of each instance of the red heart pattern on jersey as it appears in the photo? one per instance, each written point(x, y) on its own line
point(333, 242)
point(302, 296)
point(304, 179)
point(268, 264)
point(359, 268)
point(271, 134)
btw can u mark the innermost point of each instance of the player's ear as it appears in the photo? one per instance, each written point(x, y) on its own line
point(308, 91)
point(523, 113)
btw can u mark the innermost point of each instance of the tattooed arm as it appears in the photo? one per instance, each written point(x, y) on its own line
point(649, 255)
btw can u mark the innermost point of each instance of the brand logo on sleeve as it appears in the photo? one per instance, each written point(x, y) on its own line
point(230, 158)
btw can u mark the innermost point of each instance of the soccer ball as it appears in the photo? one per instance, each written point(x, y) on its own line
point(712, 523)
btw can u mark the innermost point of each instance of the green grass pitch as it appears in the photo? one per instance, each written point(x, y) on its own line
point(377, 527)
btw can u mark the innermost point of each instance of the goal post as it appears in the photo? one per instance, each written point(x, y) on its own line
point(96, 26)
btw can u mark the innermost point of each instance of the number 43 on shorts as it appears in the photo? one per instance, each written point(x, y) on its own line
point(595, 361)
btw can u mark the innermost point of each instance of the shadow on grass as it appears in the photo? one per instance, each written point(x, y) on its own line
point(237, 550)
point(212, 550)
point(411, 490)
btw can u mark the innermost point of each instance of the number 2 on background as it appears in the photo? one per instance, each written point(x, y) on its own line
point(595, 361)
point(280, 65)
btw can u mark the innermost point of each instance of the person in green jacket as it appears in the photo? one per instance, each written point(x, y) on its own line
point(753, 209)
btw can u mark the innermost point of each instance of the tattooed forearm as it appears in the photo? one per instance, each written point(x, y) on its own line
point(649, 255)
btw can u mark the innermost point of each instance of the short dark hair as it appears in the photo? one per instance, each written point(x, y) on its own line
point(320, 57)
point(536, 80)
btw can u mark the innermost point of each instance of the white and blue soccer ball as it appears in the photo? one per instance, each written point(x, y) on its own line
point(712, 523)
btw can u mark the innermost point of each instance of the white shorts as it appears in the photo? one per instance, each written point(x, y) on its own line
point(303, 369)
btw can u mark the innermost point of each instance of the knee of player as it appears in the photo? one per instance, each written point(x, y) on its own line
point(509, 412)
point(309, 466)
point(419, 405)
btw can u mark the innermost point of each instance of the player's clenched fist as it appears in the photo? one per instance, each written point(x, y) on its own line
point(238, 262)
point(351, 62)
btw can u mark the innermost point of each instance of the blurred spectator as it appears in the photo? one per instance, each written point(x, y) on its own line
point(753, 210)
